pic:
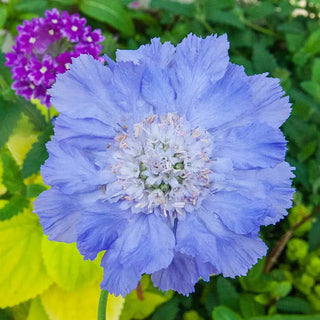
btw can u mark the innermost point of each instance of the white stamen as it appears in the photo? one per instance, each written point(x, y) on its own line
point(162, 165)
point(74, 28)
point(32, 40)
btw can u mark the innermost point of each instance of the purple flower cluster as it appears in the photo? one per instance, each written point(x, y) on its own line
point(44, 47)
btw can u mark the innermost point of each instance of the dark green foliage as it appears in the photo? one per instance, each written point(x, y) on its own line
point(37, 155)
point(265, 36)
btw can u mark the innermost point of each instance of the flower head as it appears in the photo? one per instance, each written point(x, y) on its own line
point(44, 47)
point(170, 159)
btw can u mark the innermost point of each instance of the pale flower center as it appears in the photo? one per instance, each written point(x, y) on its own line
point(162, 166)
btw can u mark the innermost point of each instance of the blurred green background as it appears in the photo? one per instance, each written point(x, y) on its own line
point(41, 280)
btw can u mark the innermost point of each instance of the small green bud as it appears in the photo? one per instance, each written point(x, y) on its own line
point(313, 266)
point(297, 250)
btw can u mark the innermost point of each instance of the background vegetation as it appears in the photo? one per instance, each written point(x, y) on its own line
point(40, 279)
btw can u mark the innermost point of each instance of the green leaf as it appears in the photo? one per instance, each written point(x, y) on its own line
point(316, 71)
point(287, 317)
point(23, 274)
point(38, 154)
point(307, 150)
point(168, 310)
point(280, 289)
point(36, 311)
point(263, 60)
point(16, 205)
point(9, 116)
point(314, 239)
point(260, 11)
point(255, 280)
point(228, 295)
point(80, 304)
point(312, 44)
point(224, 313)
point(111, 12)
point(140, 308)
point(293, 305)
point(3, 15)
point(11, 175)
point(65, 265)
point(37, 6)
point(249, 307)
point(225, 17)
point(174, 7)
point(312, 88)
point(294, 41)
point(218, 4)
point(33, 190)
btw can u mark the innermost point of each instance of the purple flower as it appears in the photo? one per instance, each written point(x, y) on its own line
point(44, 47)
point(170, 159)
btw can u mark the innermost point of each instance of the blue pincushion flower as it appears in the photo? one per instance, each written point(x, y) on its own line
point(170, 159)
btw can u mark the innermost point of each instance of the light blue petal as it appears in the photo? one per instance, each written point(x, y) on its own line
point(71, 170)
point(198, 63)
point(118, 278)
point(181, 275)
point(224, 102)
point(145, 246)
point(101, 224)
point(238, 213)
point(158, 91)
point(250, 147)
point(270, 104)
point(246, 199)
point(155, 53)
point(59, 215)
point(89, 133)
point(126, 88)
point(83, 92)
point(204, 237)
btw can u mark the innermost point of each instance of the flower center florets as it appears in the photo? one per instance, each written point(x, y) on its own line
point(161, 166)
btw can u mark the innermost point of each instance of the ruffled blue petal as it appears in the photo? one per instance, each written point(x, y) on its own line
point(250, 147)
point(89, 133)
point(181, 275)
point(246, 199)
point(158, 91)
point(198, 63)
point(118, 278)
point(75, 173)
point(83, 92)
point(224, 102)
point(155, 53)
point(145, 246)
point(126, 88)
point(204, 237)
point(270, 105)
point(238, 213)
point(59, 215)
point(101, 224)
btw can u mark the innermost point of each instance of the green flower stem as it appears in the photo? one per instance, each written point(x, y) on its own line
point(102, 305)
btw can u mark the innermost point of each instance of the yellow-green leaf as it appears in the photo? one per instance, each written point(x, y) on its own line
point(80, 304)
point(66, 266)
point(21, 140)
point(36, 311)
point(23, 274)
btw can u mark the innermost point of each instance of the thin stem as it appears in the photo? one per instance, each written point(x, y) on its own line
point(102, 305)
point(274, 254)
